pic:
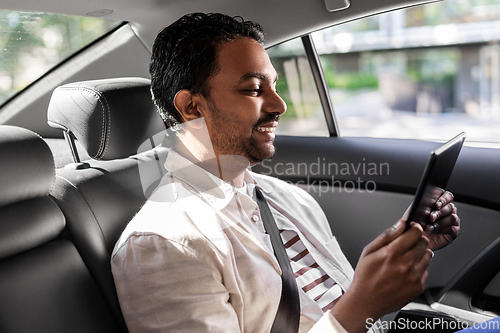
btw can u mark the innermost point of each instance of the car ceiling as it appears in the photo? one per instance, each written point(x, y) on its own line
point(281, 19)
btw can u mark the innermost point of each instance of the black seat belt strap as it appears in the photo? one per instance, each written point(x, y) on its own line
point(288, 315)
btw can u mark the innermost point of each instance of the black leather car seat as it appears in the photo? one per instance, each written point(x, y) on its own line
point(118, 125)
point(45, 285)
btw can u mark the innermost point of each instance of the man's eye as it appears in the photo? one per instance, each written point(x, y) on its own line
point(257, 91)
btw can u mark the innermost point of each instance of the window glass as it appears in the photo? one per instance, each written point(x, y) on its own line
point(304, 115)
point(33, 43)
point(489, 298)
point(458, 11)
point(426, 72)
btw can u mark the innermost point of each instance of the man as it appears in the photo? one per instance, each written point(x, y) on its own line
point(197, 258)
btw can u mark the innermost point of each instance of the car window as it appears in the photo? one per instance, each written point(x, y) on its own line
point(425, 72)
point(488, 299)
point(304, 115)
point(33, 43)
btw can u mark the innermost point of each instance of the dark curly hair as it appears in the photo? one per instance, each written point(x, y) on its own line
point(185, 54)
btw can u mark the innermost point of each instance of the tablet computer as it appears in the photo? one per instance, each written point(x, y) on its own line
point(434, 180)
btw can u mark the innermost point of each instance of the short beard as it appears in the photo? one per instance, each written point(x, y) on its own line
point(237, 145)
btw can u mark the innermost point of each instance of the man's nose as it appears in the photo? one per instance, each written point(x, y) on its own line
point(275, 104)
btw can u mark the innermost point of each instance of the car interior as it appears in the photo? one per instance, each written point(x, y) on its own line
point(81, 149)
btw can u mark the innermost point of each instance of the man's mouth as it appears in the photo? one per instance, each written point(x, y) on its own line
point(267, 125)
point(265, 129)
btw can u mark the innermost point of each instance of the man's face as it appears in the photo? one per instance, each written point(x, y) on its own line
point(243, 106)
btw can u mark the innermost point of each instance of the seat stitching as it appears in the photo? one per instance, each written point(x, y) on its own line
point(107, 132)
point(53, 163)
point(106, 116)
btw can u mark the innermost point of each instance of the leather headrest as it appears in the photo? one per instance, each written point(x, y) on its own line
point(26, 165)
point(111, 118)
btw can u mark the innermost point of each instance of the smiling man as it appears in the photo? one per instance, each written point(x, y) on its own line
point(242, 107)
point(198, 256)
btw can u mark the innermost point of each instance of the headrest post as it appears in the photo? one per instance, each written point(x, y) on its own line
point(68, 135)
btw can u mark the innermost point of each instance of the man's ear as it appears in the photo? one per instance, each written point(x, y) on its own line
point(187, 104)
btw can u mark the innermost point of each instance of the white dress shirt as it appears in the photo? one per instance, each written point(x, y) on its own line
point(196, 257)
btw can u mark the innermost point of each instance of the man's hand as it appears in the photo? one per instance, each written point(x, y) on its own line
point(444, 224)
point(391, 271)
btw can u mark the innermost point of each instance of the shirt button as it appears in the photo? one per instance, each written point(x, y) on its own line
point(255, 218)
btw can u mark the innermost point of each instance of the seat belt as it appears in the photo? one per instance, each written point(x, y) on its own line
point(288, 315)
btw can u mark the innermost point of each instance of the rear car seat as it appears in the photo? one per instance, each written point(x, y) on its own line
point(45, 285)
point(118, 125)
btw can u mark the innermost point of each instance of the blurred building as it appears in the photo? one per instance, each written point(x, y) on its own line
point(450, 63)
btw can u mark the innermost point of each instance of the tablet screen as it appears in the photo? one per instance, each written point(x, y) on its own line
point(434, 180)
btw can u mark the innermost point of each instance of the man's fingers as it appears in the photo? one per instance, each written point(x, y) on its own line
point(446, 210)
point(416, 253)
point(409, 239)
point(385, 238)
point(444, 199)
point(450, 233)
point(444, 225)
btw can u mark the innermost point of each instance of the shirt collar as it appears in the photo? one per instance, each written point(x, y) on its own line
point(210, 187)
